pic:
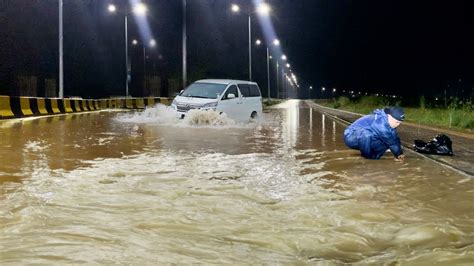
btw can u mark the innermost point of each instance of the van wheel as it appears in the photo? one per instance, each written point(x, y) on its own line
point(253, 115)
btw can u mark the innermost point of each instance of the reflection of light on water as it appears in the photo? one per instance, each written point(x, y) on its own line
point(334, 131)
point(292, 122)
point(323, 130)
point(310, 123)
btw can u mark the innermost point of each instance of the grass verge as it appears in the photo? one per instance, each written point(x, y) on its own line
point(457, 116)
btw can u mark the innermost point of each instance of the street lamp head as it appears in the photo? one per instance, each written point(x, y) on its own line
point(235, 8)
point(287, 65)
point(112, 8)
point(263, 9)
point(276, 42)
point(140, 9)
point(152, 43)
point(323, 89)
point(258, 42)
point(270, 57)
point(334, 90)
point(134, 42)
point(283, 57)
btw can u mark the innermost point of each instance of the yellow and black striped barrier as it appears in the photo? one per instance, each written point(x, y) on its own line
point(19, 106)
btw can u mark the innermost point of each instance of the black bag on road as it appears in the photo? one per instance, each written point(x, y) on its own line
point(440, 145)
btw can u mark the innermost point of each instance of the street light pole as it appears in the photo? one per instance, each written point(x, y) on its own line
point(268, 73)
point(61, 66)
point(144, 68)
point(277, 81)
point(184, 39)
point(250, 47)
point(127, 67)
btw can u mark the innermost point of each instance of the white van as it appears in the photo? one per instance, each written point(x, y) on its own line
point(239, 100)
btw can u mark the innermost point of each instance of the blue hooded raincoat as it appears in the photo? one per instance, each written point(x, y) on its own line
point(373, 135)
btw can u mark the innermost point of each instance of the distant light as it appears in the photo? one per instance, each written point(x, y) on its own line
point(263, 9)
point(288, 65)
point(436, 98)
point(152, 43)
point(310, 87)
point(283, 57)
point(112, 8)
point(258, 42)
point(134, 42)
point(323, 89)
point(276, 42)
point(334, 90)
point(235, 8)
point(343, 90)
point(140, 9)
point(271, 57)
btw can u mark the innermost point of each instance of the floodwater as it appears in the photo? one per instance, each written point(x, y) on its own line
point(145, 188)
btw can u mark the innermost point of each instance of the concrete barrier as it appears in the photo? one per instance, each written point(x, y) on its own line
point(165, 101)
point(11, 107)
point(140, 103)
point(67, 105)
point(84, 105)
point(77, 105)
point(55, 106)
point(25, 106)
point(150, 101)
point(41, 105)
point(91, 105)
point(129, 103)
point(5, 107)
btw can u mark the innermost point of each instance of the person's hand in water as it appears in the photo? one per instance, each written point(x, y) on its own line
point(400, 158)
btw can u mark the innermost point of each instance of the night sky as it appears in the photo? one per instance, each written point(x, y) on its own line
point(394, 47)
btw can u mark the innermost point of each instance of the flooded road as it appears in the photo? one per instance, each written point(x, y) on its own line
point(142, 188)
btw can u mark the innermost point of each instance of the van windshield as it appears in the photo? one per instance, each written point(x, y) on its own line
point(204, 90)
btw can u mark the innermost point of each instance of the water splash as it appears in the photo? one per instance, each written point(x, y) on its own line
point(166, 116)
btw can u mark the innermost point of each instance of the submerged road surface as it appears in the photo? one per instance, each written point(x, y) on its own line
point(136, 188)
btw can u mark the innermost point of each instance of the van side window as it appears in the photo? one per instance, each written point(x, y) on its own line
point(254, 91)
point(245, 90)
point(231, 89)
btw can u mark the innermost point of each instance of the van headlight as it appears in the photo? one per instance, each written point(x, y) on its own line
point(212, 105)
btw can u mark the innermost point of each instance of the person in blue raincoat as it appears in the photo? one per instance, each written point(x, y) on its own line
point(373, 134)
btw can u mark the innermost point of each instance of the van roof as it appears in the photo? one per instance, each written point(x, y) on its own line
point(225, 81)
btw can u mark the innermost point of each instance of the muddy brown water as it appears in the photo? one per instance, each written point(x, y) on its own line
point(143, 188)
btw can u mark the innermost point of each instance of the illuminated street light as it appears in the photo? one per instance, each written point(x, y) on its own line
point(288, 65)
point(323, 89)
point(276, 42)
point(263, 9)
point(151, 44)
point(334, 90)
point(283, 57)
point(235, 8)
point(258, 42)
point(139, 9)
point(112, 8)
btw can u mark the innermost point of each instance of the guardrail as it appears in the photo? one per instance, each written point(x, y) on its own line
point(16, 107)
